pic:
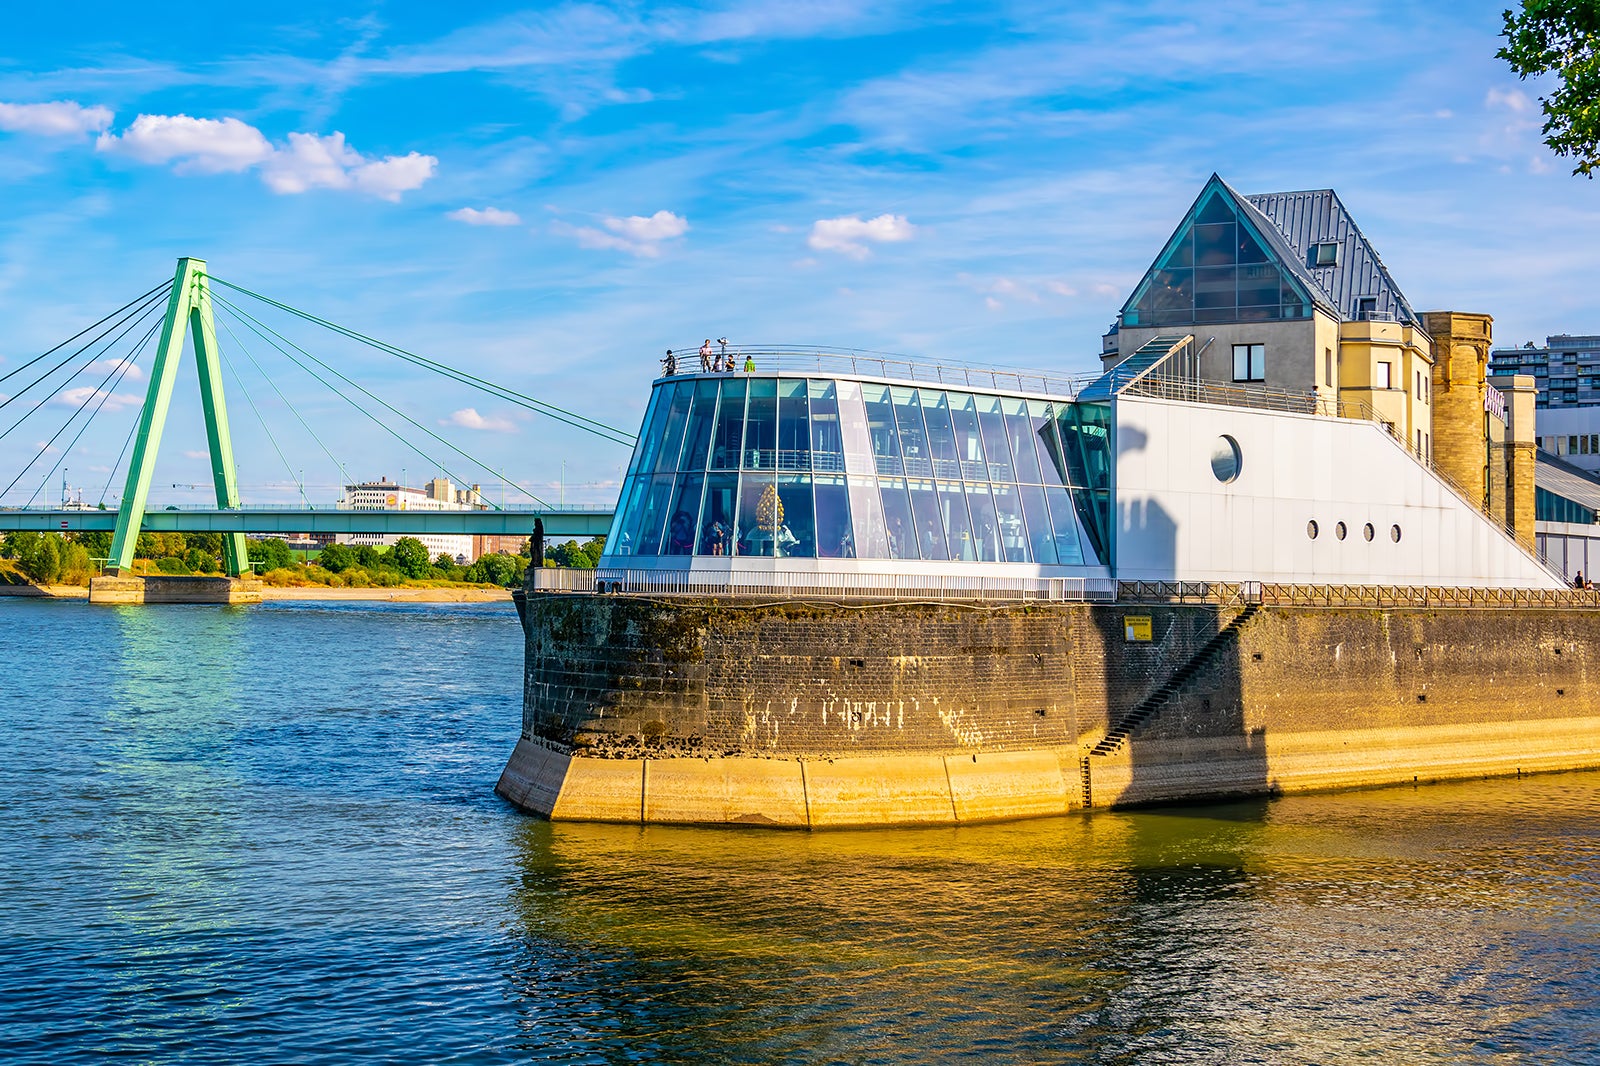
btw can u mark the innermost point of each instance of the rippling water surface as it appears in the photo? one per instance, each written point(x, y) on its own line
point(269, 835)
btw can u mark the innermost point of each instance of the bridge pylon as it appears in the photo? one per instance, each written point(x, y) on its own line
point(188, 314)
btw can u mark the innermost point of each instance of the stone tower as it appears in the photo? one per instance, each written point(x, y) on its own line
point(1460, 372)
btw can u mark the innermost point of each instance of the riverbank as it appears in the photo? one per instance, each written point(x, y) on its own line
point(317, 593)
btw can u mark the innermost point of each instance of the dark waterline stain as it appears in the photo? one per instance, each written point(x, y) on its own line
point(268, 835)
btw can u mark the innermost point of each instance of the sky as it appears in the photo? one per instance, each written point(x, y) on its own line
point(550, 196)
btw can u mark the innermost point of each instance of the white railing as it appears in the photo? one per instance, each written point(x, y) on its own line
point(841, 584)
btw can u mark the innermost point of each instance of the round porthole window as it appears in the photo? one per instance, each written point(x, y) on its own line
point(1311, 529)
point(1225, 459)
point(1394, 534)
point(1339, 531)
point(1367, 531)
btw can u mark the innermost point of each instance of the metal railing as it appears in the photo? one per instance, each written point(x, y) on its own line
point(1308, 594)
point(834, 584)
point(826, 361)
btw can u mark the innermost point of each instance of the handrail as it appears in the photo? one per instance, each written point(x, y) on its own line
point(824, 360)
point(798, 583)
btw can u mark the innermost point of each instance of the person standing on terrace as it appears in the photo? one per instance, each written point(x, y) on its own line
point(705, 357)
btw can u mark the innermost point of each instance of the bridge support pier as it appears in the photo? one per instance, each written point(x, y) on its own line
point(162, 588)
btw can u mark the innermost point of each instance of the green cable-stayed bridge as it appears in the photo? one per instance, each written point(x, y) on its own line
point(88, 368)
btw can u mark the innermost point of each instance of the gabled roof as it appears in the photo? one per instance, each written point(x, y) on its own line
point(1306, 219)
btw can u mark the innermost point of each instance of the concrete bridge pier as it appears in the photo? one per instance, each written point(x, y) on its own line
point(162, 588)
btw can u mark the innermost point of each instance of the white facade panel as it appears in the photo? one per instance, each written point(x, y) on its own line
point(1176, 521)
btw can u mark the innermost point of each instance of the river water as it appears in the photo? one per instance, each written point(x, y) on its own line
point(268, 834)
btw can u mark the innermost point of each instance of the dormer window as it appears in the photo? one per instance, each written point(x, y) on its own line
point(1325, 254)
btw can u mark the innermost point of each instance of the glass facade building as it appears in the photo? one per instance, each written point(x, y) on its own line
point(832, 468)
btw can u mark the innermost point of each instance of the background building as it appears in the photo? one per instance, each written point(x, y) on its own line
point(440, 495)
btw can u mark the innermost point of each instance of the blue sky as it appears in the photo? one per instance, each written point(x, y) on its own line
point(551, 196)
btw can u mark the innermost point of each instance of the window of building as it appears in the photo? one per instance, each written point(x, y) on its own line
point(1572, 444)
point(1383, 376)
point(1366, 307)
point(1327, 367)
point(1249, 362)
point(1325, 254)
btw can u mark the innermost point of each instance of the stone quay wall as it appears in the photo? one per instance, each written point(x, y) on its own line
point(813, 715)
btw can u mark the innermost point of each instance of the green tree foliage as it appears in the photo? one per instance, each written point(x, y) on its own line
point(580, 557)
point(497, 568)
point(200, 561)
point(38, 556)
point(271, 554)
point(367, 556)
point(410, 557)
point(337, 558)
point(97, 544)
point(1561, 37)
point(168, 565)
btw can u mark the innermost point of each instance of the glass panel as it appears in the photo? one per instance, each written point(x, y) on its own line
point(655, 424)
point(1069, 550)
point(1051, 458)
point(618, 540)
point(761, 426)
point(1258, 286)
point(677, 415)
point(985, 524)
point(652, 516)
point(898, 523)
point(794, 426)
point(759, 515)
point(969, 444)
point(1013, 535)
point(827, 440)
point(716, 517)
point(993, 424)
point(797, 531)
point(1020, 429)
point(1214, 245)
point(1250, 250)
point(857, 436)
point(880, 423)
point(913, 440)
point(930, 523)
point(871, 540)
point(1041, 537)
point(941, 434)
point(685, 510)
point(833, 518)
point(1216, 209)
point(957, 529)
point(1214, 288)
point(1086, 440)
point(702, 417)
point(1170, 292)
point(730, 427)
point(1182, 254)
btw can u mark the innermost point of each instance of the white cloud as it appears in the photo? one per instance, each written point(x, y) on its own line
point(205, 145)
point(60, 118)
point(637, 234)
point(850, 234)
point(1510, 99)
point(489, 216)
point(45, 448)
point(307, 161)
point(114, 401)
point(313, 162)
point(112, 366)
point(197, 455)
point(469, 418)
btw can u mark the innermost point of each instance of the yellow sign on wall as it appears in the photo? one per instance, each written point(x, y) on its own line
point(1136, 628)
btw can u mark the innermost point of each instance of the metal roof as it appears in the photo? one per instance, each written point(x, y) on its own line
point(1316, 216)
point(1565, 480)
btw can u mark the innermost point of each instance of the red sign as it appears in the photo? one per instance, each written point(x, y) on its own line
point(63, 525)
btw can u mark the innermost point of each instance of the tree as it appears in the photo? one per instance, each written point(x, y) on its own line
point(271, 554)
point(580, 557)
point(497, 568)
point(1561, 37)
point(367, 556)
point(410, 557)
point(39, 559)
point(97, 543)
point(336, 558)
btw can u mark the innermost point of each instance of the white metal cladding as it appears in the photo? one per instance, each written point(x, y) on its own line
point(1175, 521)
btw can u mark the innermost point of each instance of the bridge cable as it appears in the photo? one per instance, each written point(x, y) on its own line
point(164, 288)
point(93, 356)
point(344, 477)
point(449, 473)
point(228, 364)
point(550, 410)
point(103, 392)
point(137, 418)
point(258, 327)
